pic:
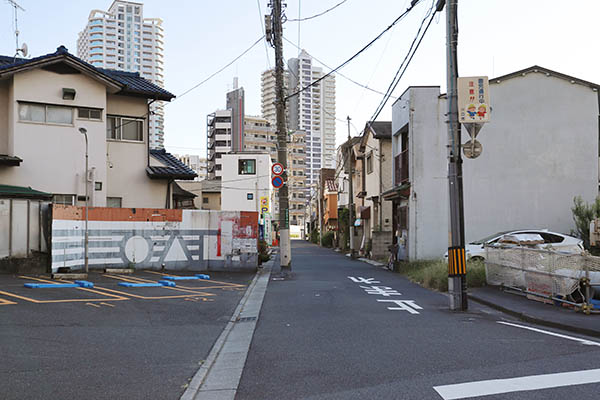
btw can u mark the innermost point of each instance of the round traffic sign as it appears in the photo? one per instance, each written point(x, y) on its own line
point(277, 182)
point(472, 149)
point(277, 169)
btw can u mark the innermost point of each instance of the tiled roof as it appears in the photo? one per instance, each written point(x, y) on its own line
point(381, 129)
point(331, 185)
point(174, 169)
point(130, 83)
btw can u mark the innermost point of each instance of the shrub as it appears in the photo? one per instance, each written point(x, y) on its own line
point(433, 274)
point(263, 254)
point(583, 214)
point(314, 236)
point(328, 239)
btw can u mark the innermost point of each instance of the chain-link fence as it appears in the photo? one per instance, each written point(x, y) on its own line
point(549, 275)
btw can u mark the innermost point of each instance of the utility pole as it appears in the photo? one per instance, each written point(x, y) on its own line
point(350, 195)
point(285, 256)
point(457, 269)
point(320, 210)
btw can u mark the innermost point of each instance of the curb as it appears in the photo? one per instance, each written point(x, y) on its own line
point(201, 375)
point(534, 320)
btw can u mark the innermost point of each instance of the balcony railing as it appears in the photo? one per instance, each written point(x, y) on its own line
point(401, 168)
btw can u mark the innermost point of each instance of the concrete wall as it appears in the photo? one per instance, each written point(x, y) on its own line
point(187, 240)
point(22, 225)
point(235, 187)
point(539, 151)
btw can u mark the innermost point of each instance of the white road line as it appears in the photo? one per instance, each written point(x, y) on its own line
point(533, 382)
point(583, 341)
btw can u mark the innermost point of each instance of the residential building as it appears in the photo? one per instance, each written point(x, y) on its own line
point(312, 111)
point(45, 104)
point(268, 108)
point(225, 131)
point(327, 200)
point(540, 150)
point(208, 193)
point(376, 174)
point(245, 181)
point(122, 39)
point(198, 164)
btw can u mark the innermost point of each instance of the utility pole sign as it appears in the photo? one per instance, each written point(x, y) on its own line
point(473, 110)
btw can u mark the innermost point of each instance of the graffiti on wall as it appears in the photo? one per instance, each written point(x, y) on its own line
point(154, 239)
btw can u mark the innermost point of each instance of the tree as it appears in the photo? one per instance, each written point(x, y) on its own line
point(583, 214)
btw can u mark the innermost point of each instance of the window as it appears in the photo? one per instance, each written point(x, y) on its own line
point(64, 199)
point(121, 128)
point(89, 113)
point(370, 163)
point(205, 200)
point(97, 186)
point(247, 167)
point(33, 112)
point(114, 202)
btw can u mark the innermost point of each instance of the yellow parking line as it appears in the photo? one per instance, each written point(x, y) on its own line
point(92, 304)
point(229, 284)
point(4, 302)
point(113, 297)
point(194, 294)
point(179, 289)
point(106, 304)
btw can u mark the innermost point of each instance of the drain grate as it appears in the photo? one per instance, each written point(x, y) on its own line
point(246, 319)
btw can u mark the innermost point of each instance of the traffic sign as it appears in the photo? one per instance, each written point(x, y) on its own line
point(277, 169)
point(277, 182)
point(472, 149)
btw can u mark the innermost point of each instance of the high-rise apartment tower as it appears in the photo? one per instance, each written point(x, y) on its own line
point(122, 39)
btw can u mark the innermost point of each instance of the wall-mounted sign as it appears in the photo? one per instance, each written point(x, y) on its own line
point(473, 100)
point(264, 204)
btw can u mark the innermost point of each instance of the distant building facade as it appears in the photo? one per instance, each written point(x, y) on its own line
point(122, 39)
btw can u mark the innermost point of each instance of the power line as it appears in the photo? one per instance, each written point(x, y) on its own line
point(357, 53)
point(319, 14)
point(262, 25)
point(223, 68)
point(337, 73)
point(405, 63)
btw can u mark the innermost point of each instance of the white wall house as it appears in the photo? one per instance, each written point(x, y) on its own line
point(45, 101)
point(540, 150)
point(245, 180)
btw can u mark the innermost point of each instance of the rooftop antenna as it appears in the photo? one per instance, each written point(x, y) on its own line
point(22, 50)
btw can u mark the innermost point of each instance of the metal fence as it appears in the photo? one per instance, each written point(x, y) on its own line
point(547, 275)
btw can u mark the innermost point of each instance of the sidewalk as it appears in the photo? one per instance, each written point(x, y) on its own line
point(537, 312)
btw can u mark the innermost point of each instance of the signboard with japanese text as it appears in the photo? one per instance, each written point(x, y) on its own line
point(264, 204)
point(473, 100)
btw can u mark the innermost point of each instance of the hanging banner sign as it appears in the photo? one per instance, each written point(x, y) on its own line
point(473, 100)
point(264, 204)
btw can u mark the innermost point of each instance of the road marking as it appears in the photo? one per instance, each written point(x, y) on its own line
point(360, 279)
point(106, 304)
point(532, 382)
point(582, 341)
point(4, 302)
point(92, 304)
point(403, 305)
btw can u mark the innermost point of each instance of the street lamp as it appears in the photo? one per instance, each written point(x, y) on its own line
point(84, 132)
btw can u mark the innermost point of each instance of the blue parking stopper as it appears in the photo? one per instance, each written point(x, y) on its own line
point(203, 276)
point(50, 285)
point(85, 284)
point(167, 283)
point(179, 278)
point(132, 285)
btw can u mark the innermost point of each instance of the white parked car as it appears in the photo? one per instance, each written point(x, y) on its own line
point(551, 240)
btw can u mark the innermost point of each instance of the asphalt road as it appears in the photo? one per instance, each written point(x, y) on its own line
point(145, 346)
point(321, 335)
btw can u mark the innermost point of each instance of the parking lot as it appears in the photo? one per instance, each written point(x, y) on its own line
point(110, 341)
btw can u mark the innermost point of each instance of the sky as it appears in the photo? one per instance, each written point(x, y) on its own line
point(496, 37)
